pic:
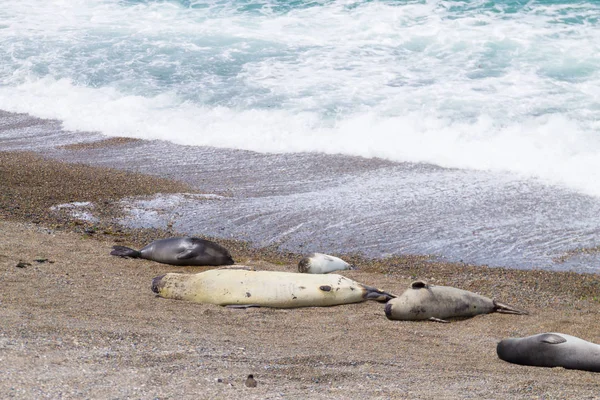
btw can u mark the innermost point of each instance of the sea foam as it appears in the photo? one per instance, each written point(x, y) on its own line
point(483, 86)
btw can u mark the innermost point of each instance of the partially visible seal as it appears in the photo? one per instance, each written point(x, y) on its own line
point(179, 251)
point(438, 303)
point(318, 263)
point(551, 350)
point(243, 288)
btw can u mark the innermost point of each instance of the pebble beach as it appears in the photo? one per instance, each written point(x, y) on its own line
point(79, 323)
point(455, 143)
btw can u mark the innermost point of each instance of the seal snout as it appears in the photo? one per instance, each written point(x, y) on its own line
point(157, 284)
point(388, 310)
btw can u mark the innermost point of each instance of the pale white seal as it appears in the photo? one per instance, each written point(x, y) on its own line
point(438, 303)
point(319, 263)
point(246, 288)
point(551, 350)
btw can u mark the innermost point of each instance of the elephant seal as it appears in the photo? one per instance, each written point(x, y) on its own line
point(436, 303)
point(318, 263)
point(551, 350)
point(243, 288)
point(179, 251)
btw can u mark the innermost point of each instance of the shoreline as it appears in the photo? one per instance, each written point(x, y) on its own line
point(85, 324)
point(29, 193)
point(309, 202)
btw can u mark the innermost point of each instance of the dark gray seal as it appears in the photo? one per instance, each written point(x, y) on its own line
point(551, 350)
point(179, 251)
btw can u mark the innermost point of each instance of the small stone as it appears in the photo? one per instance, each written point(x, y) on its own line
point(250, 381)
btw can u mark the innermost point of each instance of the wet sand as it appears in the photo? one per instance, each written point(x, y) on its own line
point(79, 323)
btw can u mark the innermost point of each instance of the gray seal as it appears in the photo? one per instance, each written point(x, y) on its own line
point(551, 350)
point(179, 251)
point(437, 303)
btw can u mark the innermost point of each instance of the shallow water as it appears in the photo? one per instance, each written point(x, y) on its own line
point(341, 204)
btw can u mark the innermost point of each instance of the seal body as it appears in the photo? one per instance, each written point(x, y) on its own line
point(422, 301)
point(551, 350)
point(230, 287)
point(318, 263)
point(179, 251)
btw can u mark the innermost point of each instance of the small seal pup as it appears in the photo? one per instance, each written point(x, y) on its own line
point(436, 303)
point(179, 251)
point(319, 263)
point(245, 288)
point(551, 350)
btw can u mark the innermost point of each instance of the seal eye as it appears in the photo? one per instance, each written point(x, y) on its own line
point(325, 288)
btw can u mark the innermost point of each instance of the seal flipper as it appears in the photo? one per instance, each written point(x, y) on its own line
point(187, 254)
point(372, 293)
point(505, 309)
point(122, 251)
point(434, 319)
point(244, 306)
point(552, 338)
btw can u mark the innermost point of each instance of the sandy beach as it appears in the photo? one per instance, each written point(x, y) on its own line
point(80, 323)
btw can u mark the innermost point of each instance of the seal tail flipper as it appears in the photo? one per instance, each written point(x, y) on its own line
point(122, 251)
point(372, 293)
point(503, 308)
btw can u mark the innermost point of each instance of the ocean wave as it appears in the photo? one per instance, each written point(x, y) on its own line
point(499, 86)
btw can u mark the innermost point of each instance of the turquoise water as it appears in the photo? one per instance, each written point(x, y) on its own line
point(500, 86)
